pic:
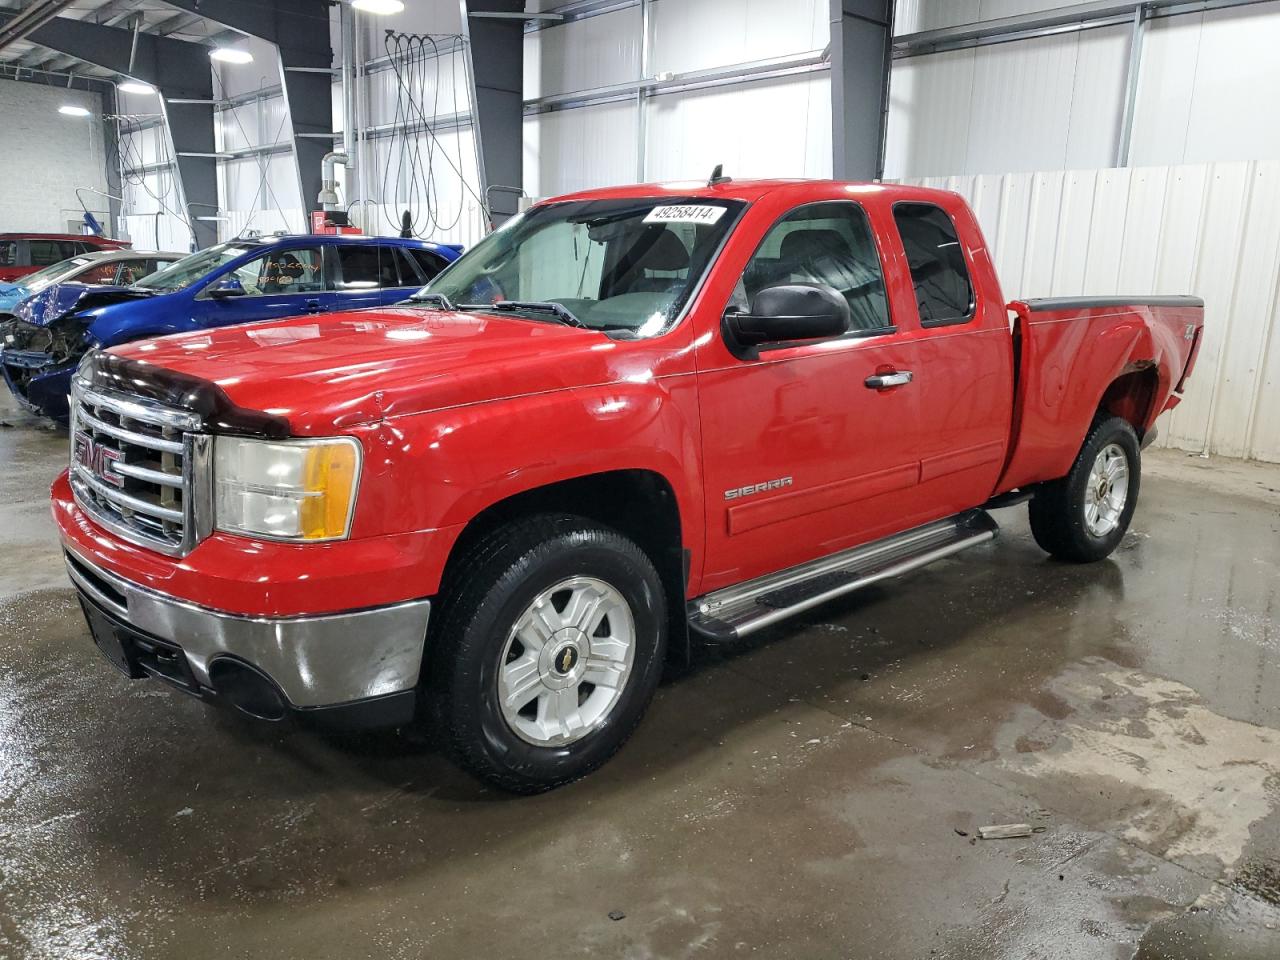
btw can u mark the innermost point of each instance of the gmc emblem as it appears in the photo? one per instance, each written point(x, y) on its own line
point(97, 459)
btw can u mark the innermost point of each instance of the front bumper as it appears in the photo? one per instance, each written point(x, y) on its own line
point(365, 662)
point(37, 381)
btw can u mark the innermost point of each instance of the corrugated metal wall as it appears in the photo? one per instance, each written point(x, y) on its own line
point(778, 127)
point(1208, 229)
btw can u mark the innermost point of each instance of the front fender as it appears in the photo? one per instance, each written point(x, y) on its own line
point(440, 470)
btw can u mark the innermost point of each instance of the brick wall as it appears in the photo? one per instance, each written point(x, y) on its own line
point(47, 155)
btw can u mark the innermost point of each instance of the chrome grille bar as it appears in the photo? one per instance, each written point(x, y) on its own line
point(140, 468)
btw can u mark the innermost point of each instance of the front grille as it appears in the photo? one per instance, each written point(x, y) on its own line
point(139, 468)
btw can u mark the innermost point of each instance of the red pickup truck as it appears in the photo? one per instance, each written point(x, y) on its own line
point(627, 418)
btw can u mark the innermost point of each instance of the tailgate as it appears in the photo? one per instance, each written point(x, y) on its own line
point(1074, 353)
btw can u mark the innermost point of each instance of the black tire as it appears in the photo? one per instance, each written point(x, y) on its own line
point(495, 582)
point(1057, 511)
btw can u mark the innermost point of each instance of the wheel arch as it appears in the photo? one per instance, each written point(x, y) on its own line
point(641, 504)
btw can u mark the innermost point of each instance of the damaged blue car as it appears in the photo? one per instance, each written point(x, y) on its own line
point(240, 281)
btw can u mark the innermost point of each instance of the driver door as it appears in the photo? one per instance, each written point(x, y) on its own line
point(280, 283)
point(801, 457)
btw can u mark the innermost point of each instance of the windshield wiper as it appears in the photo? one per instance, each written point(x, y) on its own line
point(439, 299)
point(558, 310)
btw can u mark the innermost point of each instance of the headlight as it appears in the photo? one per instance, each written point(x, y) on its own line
point(285, 490)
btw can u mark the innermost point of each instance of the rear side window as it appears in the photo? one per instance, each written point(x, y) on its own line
point(359, 267)
point(45, 252)
point(8, 253)
point(387, 273)
point(825, 243)
point(944, 293)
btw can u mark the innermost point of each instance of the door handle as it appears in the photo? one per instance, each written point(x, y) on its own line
point(886, 381)
point(313, 306)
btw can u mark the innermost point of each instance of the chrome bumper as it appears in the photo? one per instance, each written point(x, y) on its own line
point(316, 661)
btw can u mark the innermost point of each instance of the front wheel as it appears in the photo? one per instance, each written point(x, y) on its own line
point(1083, 516)
point(548, 654)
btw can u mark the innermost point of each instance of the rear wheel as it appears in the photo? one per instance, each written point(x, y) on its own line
point(1083, 516)
point(549, 652)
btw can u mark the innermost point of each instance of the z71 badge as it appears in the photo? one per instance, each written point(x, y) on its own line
point(737, 493)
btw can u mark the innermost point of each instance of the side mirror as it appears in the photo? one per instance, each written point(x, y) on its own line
point(792, 311)
point(227, 287)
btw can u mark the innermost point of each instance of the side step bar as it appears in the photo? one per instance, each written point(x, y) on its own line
point(734, 612)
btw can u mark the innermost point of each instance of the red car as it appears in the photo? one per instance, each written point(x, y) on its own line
point(627, 418)
point(23, 253)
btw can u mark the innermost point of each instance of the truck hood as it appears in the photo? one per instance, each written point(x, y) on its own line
point(60, 299)
point(338, 370)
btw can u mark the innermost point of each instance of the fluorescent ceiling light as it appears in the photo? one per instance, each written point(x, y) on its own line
point(231, 55)
point(133, 86)
point(380, 7)
point(71, 110)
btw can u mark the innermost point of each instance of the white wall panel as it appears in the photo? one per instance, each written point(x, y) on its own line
point(419, 175)
point(595, 52)
point(1212, 230)
point(1054, 102)
point(913, 16)
point(700, 34)
point(569, 150)
point(1204, 80)
point(778, 128)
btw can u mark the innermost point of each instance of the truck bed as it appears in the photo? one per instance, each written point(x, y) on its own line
point(1065, 347)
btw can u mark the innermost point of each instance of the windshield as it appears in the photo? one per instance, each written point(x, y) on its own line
point(52, 273)
point(619, 265)
point(188, 270)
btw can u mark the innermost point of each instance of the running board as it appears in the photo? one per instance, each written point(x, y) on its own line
point(735, 612)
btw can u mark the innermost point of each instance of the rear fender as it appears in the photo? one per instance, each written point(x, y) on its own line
point(1074, 363)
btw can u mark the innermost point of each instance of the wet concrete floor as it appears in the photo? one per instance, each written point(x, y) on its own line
point(817, 794)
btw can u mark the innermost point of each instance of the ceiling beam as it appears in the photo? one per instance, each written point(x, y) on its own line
point(24, 23)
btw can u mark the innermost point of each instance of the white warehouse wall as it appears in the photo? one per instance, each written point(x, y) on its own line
point(1212, 230)
point(59, 154)
point(778, 127)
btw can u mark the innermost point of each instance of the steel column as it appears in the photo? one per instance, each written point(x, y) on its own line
point(861, 35)
point(299, 29)
point(495, 54)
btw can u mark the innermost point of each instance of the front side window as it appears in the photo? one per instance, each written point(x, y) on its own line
point(627, 266)
point(938, 272)
point(188, 270)
point(823, 243)
point(280, 272)
point(8, 253)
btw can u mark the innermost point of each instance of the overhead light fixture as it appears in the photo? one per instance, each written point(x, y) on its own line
point(230, 55)
point(382, 8)
point(134, 86)
point(71, 110)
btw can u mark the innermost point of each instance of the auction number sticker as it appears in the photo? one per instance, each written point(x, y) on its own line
point(685, 213)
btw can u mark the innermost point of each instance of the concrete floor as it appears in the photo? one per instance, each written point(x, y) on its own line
point(815, 795)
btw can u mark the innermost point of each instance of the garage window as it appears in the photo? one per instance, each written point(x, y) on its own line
point(943, 292)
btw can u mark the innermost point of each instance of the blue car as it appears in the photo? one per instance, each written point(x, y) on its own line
point(236, 282)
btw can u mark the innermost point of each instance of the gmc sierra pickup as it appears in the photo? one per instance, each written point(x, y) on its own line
point(628, 418)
